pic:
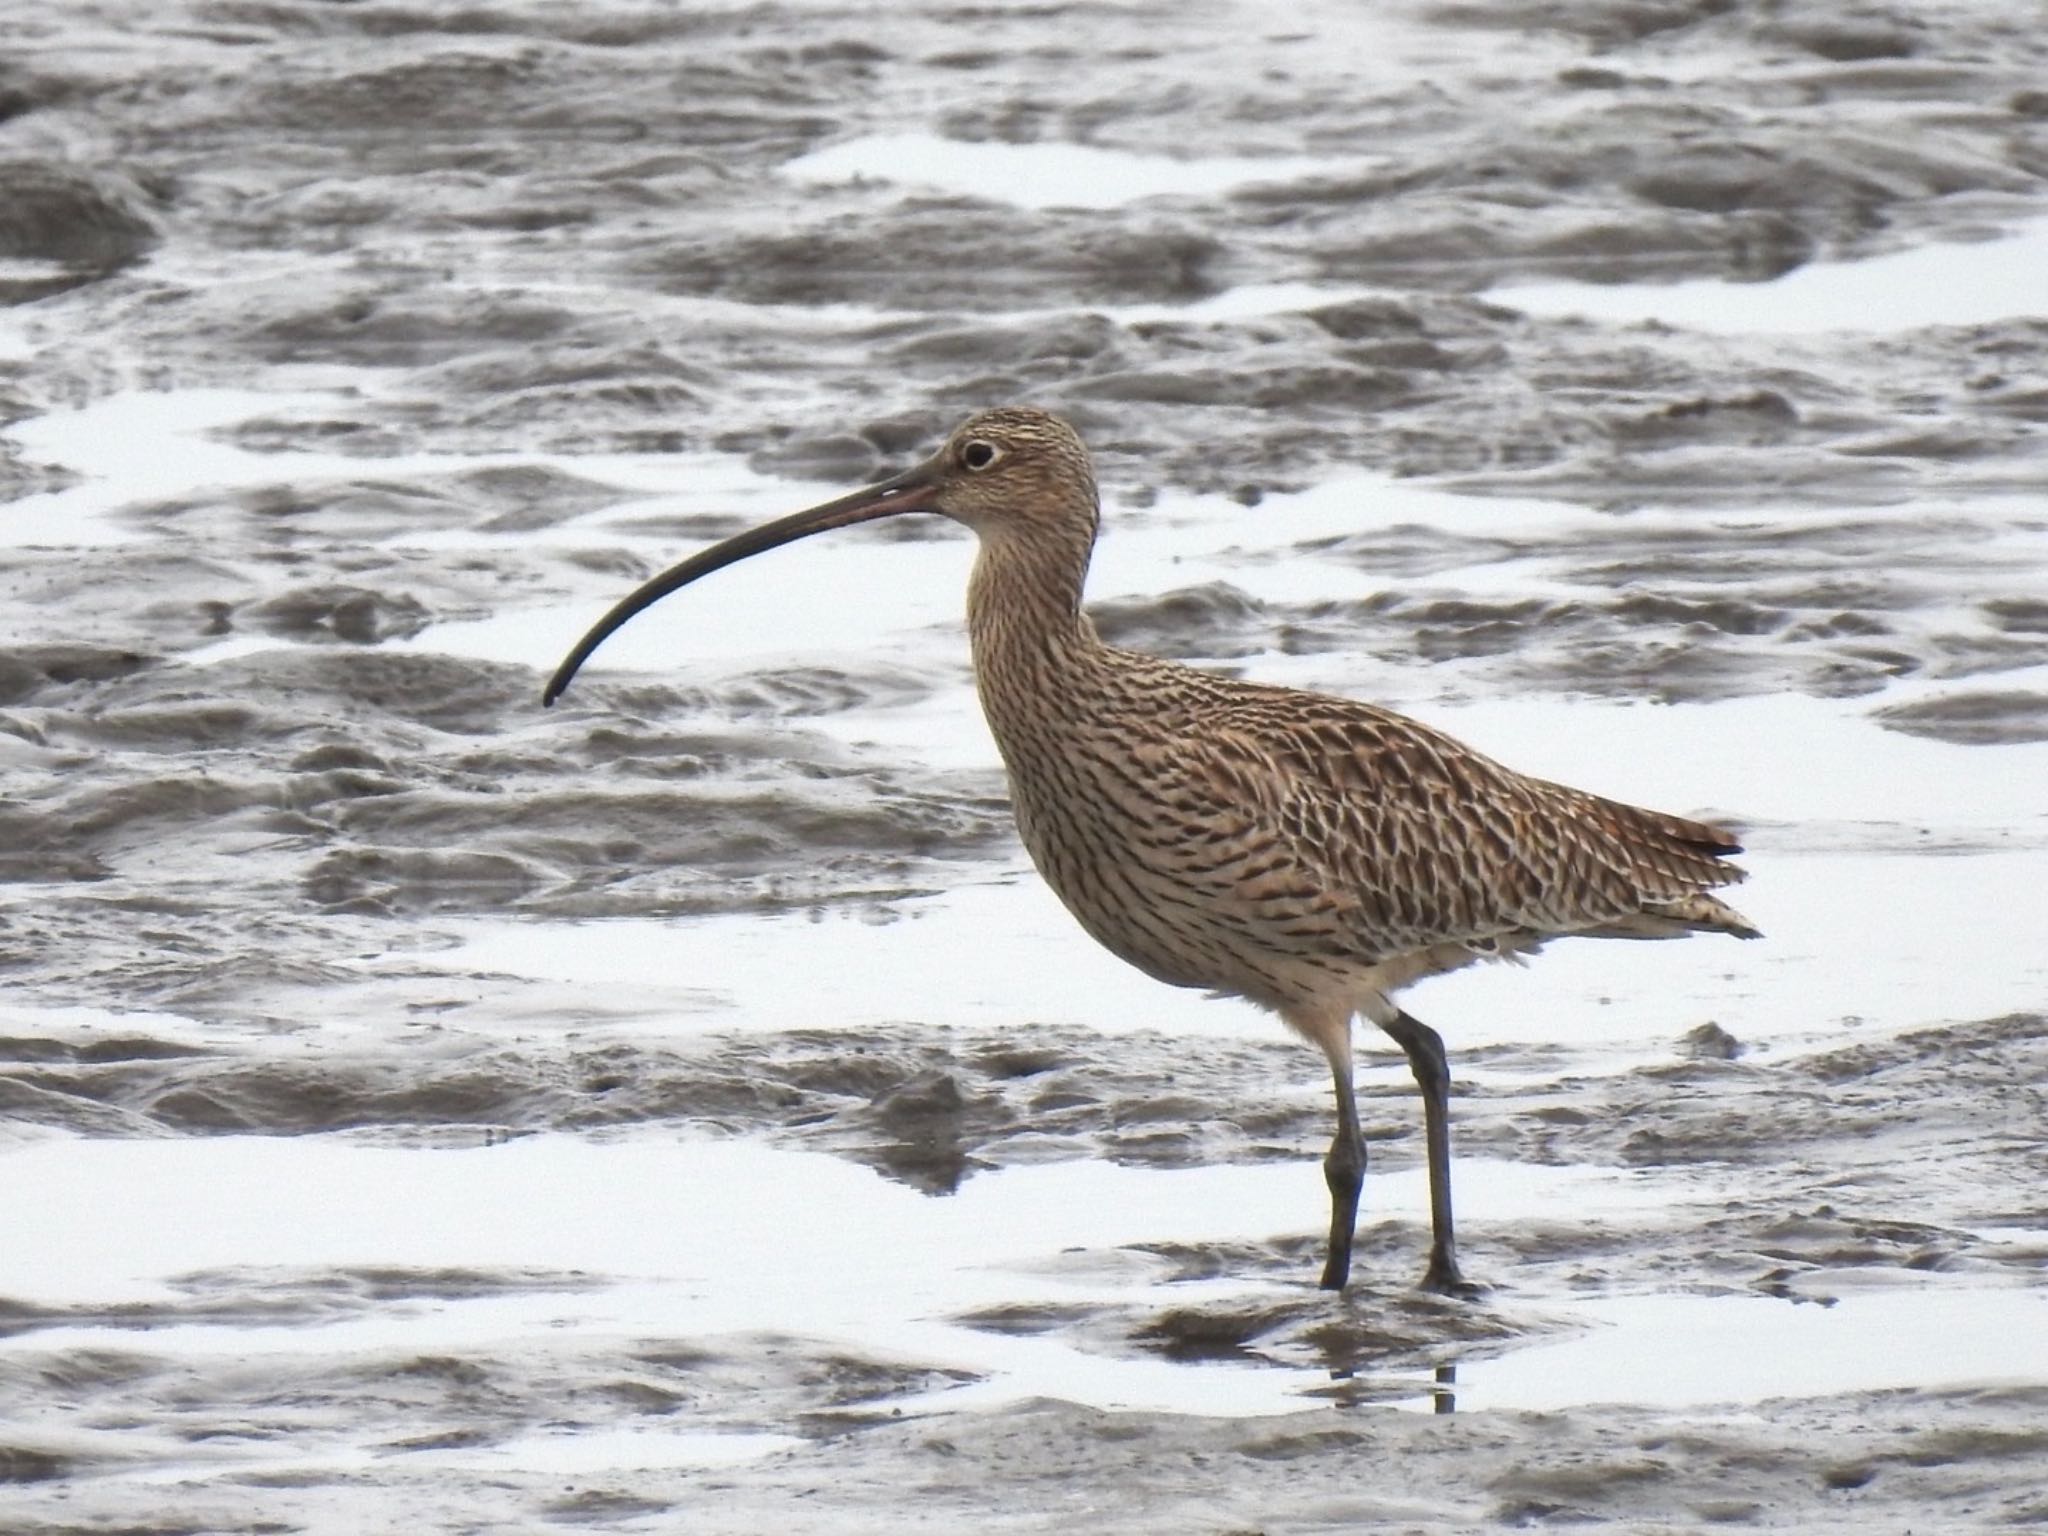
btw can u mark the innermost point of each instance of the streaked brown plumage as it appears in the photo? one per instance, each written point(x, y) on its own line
point(1312, 854)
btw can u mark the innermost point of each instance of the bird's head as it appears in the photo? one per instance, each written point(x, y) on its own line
point(1015, 472)
point(1015, 467)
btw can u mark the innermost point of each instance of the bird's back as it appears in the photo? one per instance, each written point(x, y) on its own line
point(1272, 842)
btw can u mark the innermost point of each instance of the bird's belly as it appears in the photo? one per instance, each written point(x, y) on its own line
point(1138, 902)
point(1120, 919)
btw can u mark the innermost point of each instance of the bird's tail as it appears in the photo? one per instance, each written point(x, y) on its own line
point(1696, 912)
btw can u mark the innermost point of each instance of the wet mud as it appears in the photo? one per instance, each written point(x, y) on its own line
point(426, 1111)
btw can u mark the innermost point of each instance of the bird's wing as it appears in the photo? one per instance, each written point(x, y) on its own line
point(1410, 838)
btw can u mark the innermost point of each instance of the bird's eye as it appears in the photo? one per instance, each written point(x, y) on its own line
point(979, 454)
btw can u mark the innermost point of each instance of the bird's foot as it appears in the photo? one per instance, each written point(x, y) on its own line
point(1444, 1278)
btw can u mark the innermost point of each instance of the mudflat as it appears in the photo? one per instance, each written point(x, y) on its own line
point(684, 1107)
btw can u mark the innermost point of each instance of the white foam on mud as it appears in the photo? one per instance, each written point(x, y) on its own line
point(1951, 283)
point(1046, 175)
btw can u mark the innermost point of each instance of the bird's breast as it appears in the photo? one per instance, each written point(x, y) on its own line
point(1149, 875)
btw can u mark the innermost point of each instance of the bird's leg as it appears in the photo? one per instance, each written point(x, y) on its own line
point(1343, 1171)
point(1425, 1051)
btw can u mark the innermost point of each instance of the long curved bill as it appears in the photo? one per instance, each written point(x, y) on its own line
point(911, 491)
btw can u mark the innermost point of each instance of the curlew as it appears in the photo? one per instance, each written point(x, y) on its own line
point(1312, 854)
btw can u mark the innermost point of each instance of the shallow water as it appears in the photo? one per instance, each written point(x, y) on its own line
point(1045, 175)
point(1683, 1351)
point(1997, 277)
point(707, 1240)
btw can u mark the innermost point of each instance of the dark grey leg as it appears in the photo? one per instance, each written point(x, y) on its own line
point(1425, 1051)
point(1344, 1172)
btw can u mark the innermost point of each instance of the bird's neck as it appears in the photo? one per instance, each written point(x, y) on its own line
point(1024, 614)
